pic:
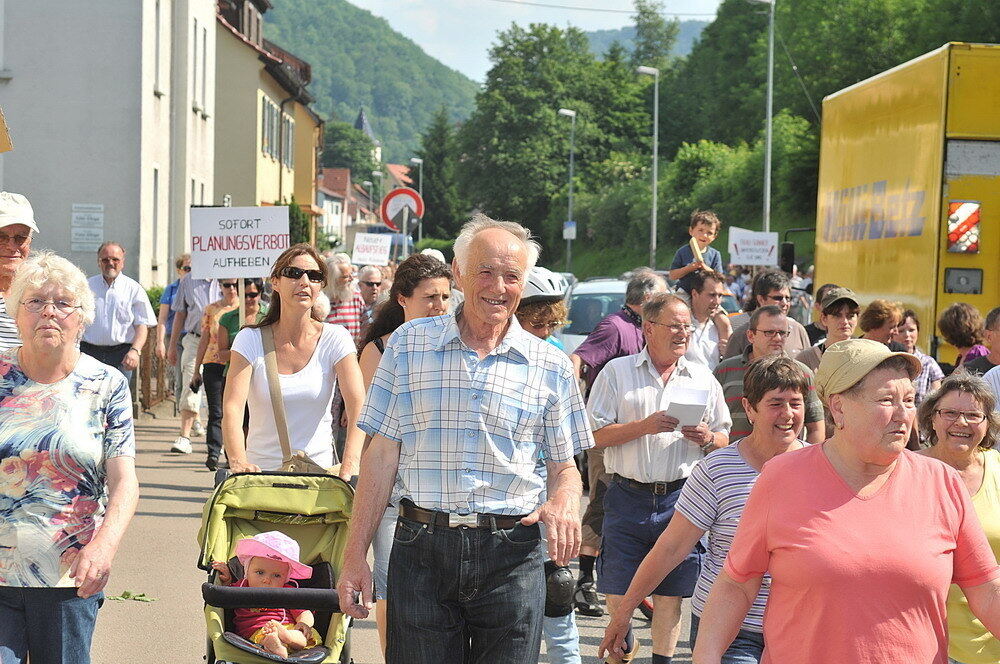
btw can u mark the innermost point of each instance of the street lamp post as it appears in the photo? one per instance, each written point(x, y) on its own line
point(420, 189)
point(655, 73)
point(769, 113)
point(571, 114)
point(368, 184)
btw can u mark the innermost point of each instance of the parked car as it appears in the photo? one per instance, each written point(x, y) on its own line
point(589, 302)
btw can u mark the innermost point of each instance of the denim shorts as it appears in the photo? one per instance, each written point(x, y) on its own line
point(633, 520)
point(746, 648)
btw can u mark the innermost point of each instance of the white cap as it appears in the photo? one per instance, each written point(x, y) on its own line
point(15, 209)
point(434, 253)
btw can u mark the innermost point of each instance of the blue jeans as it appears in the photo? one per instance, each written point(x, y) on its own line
point(746, 648)
point(461, 595)
point(51, 625)
point(562, 639)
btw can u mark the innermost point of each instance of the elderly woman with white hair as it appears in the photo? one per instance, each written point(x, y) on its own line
point(861, 537)
point(67, 474)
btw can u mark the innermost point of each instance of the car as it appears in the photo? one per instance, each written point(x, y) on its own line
point(589, 302)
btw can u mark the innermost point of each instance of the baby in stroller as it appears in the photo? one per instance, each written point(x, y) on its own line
point(271, 560)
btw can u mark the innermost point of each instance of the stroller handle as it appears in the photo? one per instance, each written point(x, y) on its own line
point(232, 597)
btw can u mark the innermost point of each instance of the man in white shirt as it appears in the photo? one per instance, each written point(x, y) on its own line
point(707, 289)
point(123, 314)
point(649, 455)
point(17, 225)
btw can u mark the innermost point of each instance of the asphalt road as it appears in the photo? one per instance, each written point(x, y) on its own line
point(158, 557)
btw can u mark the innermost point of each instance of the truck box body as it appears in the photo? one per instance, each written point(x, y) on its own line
point(909, 186)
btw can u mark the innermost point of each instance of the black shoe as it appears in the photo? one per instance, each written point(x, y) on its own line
point(212, 463)
point(586, 601)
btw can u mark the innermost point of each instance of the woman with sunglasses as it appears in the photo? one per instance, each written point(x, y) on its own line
point(312, 358)
point(208, 366)
point(421, 289)
point(962, 426)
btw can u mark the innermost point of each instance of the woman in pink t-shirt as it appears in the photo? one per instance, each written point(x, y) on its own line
point(861, 537)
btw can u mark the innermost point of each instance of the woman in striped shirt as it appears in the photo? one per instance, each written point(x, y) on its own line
point(712, 502)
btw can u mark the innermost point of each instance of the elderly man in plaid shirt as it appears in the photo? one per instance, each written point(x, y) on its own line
point(461, 409)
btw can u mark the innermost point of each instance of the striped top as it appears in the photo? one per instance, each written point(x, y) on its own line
point(713, 499)
point(350, 314)
point(8, 329)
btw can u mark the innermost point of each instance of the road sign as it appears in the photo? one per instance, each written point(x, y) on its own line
point(395, 200)
point(237, 242)
point(569, 230)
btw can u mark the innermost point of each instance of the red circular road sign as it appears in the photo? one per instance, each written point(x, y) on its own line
point(395, 200)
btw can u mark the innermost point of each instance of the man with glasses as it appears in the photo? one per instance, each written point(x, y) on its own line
point(369, 286)
point(17, 224)
point(649, 455)
point(770, 288)
point(768, 332)
point(192, 296)
point(122, 314)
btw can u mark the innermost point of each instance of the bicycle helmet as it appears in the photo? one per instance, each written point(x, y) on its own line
point(544, 286)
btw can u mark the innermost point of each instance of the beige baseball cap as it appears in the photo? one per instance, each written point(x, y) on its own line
point(15, 209)
point(846, 363)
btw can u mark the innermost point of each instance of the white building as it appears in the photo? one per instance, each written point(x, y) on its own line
point(110, 106)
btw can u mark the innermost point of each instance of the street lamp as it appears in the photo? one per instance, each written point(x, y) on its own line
point(378, 174)
point(768, 122)
point(367, 184)
point(571, 114)
point(655, 73)
point(420, 189)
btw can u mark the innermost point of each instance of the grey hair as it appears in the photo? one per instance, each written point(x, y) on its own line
point(109, 243)
point(369, 269)
point(47, 269)
point(643, 283)
point(339, 258)
point(479, 223)
point(657, 302)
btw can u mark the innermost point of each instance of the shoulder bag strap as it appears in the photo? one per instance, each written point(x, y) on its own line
point(274, 387)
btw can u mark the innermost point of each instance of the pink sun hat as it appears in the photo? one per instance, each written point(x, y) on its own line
point(276, 546)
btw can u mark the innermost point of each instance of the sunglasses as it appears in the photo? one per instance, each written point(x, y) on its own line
point(251, 294)
point(372, 284)
point(296, 273)
point(225, 285)
point(186, 268)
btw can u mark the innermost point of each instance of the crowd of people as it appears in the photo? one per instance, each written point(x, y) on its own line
point(821, 495)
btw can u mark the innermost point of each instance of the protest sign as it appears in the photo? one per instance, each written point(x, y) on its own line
point(371, 249)
point(752, 247)
point(237, 242)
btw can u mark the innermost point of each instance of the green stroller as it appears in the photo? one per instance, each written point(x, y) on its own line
point(311, 509)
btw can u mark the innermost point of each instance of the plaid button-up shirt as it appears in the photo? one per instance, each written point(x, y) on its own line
point(471, 431)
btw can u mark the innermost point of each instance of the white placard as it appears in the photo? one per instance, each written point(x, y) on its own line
point(372, 249)
point(241, 242)
point(752, 247)
point(569, 230)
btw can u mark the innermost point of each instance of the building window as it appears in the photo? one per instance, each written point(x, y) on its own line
point(204, 69)
point(202, 199)
point(287, 141)
point(192, 192)
point(156, 213)
point(194, 67)
point(157, 46)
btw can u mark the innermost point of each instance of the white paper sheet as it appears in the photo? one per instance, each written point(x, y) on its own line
point(687, 405)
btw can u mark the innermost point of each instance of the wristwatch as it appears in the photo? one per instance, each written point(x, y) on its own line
point(707, 446)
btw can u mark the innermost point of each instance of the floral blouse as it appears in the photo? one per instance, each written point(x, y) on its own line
point(54, 442)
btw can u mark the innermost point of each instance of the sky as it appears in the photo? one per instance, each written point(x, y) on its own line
point(459, 33)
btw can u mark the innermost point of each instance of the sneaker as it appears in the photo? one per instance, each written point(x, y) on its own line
point(197, 429)
point(182, 445)
point(631, 649)
point(586, 601)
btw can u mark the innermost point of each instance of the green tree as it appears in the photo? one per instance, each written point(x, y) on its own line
point(655, 36)
point(298, 223)
point(443, 208)
point(347, 147)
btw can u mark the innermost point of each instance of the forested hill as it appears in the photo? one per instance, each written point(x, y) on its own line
point(358, 60)
point(600, 40)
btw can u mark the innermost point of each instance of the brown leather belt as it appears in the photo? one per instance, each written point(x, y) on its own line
point(408, 510)
point(655, 488)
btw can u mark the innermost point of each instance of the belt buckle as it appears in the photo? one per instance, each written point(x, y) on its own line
point(660, 488)
point(468, 520)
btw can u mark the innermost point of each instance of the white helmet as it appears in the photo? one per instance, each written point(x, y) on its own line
point(544, 286)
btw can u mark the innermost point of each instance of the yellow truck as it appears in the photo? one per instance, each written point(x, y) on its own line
point(909, 186)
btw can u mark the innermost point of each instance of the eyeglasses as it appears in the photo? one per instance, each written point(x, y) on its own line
point(676, 329)
point(251, 294)
point(114, 260)
point(19, 240)
point(228, 285)
point(296, 273)
point(371, 284)
point(771, 334)
point(544, 326)
point(186, 268)
point(780, 298)
point(35, 306)
point(971, 416)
